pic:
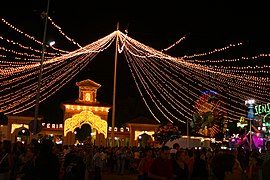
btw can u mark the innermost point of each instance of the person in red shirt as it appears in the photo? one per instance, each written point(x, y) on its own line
point(145, 164)
point(162, 167)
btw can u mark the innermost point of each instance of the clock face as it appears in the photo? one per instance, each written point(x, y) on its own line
point(210, 117)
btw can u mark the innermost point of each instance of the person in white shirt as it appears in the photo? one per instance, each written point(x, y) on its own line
point(97, 163)
point(174, 149)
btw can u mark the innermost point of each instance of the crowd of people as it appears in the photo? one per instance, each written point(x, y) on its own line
point(49, 161)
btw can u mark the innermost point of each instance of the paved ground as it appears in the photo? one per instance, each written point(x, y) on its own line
point(114, 176)
point(118, 177)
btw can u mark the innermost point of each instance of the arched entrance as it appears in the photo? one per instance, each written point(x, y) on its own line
point(82, 133)
point(143, 140)
point(22, 135)
point(98, 127)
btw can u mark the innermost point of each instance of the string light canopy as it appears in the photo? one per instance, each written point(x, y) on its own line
point(168, 85)
point(19, 83)
point(172, 84)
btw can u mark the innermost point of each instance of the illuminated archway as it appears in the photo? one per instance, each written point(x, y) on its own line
point(138, 133)
point(85, 117)
point(14, 127)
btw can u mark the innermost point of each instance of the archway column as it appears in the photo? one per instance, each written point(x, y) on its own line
point(131, 137)
point(69, 139)
point(97, 139)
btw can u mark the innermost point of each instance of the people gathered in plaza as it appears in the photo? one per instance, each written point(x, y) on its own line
point(49, 161)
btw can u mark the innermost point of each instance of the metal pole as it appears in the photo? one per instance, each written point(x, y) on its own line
point(40, 71)
point(250, 137)
point(114, 86)
point(187, 135)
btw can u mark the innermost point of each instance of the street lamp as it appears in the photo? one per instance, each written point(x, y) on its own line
point(52, 43)
point(250, 103)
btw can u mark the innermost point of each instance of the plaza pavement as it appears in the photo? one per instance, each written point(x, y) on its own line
point(115, 176)
point(120, 177)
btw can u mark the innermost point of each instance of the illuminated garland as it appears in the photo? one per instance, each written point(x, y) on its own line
point(59, 29)
point(168, 84)
point(27, 47)
point(177, 42)
point(212, 52)
point(31, 37)
point(19, 84)
point(142, 60)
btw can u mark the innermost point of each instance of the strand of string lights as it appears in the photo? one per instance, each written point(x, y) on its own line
point(158, 86)
point(237, 83)
point(147, 54)
point(91, 48)
point(174, 44)
point(60, 30)
point(18, 92)
point(55, 84)
point(58, 59)
point(154, 53)
point(213, 51)
point(246, 69)
point(28, 47)
point(251, 71)
point(154, 76)
point(145, 84)
point(32, 37)
point(158, 54)
point(171, 84)
point(19, 62)
point(24, 54)
point(163, 82)
point(150, 94)
point(255, 57)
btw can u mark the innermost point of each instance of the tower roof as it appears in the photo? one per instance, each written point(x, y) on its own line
point(88, 83)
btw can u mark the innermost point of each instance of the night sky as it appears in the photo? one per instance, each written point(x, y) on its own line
point(209, 25)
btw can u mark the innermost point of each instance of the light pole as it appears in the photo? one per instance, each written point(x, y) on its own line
point(114, 87)
point(41, 70)
point(250, 103)
point(187, 145)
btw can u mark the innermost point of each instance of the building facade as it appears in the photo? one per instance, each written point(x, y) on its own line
point(85, 110)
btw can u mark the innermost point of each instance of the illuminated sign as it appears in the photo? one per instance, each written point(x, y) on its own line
point(52, 126)
point(263, 108)
point(242, 122)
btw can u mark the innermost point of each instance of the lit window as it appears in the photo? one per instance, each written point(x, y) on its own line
point(87, 96)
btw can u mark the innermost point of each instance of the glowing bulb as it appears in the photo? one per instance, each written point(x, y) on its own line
point(52, 43)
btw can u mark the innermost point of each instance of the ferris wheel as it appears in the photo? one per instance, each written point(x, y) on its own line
point(210, 117)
